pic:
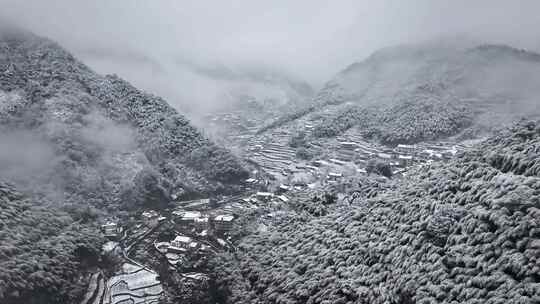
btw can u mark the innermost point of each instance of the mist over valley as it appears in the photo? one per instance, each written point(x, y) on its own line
point(269, 152)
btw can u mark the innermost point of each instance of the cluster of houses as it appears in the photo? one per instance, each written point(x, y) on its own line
point(190, 222)
point(268, 196)
point(406, 154)
point(401, 156)
point(194, 223)
point(257, 182)
point(221, 223)
point(350, 156)
point(182, 243)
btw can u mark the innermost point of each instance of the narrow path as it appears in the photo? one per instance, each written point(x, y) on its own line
point(92, 288)
point(101, 292)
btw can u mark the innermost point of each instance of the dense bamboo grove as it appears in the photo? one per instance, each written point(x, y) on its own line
point(463, 232)
point(407, 122)
point(43, 251)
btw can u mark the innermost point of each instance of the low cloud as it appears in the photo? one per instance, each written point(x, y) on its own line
point(309, 40)
point(106, 134)
point(25, 156)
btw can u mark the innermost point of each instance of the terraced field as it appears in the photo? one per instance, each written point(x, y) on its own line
point(136, 285)
point(275, 155)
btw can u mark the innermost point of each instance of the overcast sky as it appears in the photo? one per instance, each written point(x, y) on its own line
point(312, 39)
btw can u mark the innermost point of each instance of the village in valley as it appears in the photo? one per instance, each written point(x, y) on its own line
point(328, 159)
point(179, 236)
point(183, 236)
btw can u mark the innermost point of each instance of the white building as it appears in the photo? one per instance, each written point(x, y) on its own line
point(150, 218)
point(337, 161)
point(191, 215)
point(251, 181)
point(111, 230)
point(223, 223)
point(187, 217)
point(264, 196)
point(201, 223)
point(361, 170)
point(181, 241)
point(193, 246)
point(406, 149)
point(283, 198)
point(384, 155)
point(334, 176)
point(283, 188)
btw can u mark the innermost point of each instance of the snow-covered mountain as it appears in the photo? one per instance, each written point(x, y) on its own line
point(417, 92)
point(97, 138)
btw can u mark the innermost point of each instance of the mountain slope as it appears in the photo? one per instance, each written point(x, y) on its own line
point(44, 251)
point(110, 142)
point(421, 92)
point(467, 231)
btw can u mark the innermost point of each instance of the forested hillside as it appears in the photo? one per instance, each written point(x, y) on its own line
point(78, 146)
point(103, 141)
point(467, 231)
point(411, 93)
point(44, 252)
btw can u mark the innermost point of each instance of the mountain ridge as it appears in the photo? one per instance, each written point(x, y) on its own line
point(77, 149)
point(49, 89)
point(474, 85)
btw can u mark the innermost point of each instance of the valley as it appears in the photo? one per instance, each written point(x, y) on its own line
point(172, 247)
point(412, 176)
